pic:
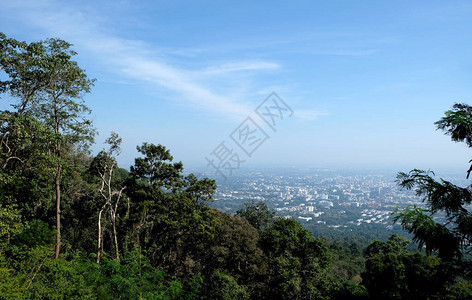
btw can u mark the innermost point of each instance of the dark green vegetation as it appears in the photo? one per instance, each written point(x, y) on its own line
point(75, 226)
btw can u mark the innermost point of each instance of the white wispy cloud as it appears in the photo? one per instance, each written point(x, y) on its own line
point(177, 80)
point(319, 43)
point(310, 115)
point(241, 66)
point(134, 59)
point(138, 60)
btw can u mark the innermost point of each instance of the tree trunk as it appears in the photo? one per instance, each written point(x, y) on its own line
point(115, 236)
point(58, 180)
point(99, 249)
point(58, 210)
point(113, 211)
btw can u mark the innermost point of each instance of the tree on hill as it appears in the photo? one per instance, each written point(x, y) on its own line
point(257, 214)
point(298, 263)
point(49, 85)
point(451, 238)
point(168, 211)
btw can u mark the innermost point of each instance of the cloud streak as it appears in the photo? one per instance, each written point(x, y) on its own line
point(310, 115)
point(135, 60)
point(241, 66)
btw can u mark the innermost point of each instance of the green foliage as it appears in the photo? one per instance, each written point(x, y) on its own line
point(35, 233)
point(458, 123)
point(392, 272)
point(257, 214)
point(25, 166)
point(348, 261)
point(233, 255)
point(441, 196)
point(460, 290)
point(58, 279)
point(155, 167)
point(225, 287)
point(10, 285)
point(427, 233)
point(10, 224)
point(133, 277)
point(298, 262)
point(47, 83)
point(168, 211)
point(43, 277)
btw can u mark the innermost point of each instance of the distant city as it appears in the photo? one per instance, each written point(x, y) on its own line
point(335, 199)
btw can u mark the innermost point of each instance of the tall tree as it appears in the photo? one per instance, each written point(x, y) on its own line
point(49, 85)
point(168, 211)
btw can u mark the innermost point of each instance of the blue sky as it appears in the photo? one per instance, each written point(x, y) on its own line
point(366, 79)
